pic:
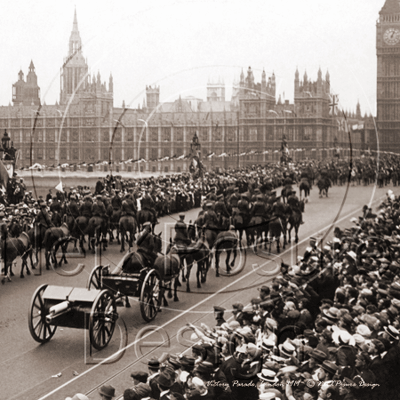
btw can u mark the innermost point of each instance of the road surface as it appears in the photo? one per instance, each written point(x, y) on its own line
point(27, 368)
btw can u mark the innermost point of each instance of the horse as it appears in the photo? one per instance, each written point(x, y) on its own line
point(294, 222)
point(97, 231)
point(305, 187)
point(146, 216)
point(81, 225)
point(114, 224)
point(36, 236)
point(14, 247)
point(53, 239)
point(198, 252)
point(284, 193)
point(127, 224)
point(226, 241)
point(275, 228)
point(257, 226)
point(323, 185)
point(241, 222)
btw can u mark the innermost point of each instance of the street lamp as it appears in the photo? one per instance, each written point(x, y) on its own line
point(145, 126)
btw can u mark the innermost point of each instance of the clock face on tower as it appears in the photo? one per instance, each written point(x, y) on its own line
point(391, 36)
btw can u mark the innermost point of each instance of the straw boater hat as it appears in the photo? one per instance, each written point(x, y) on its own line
point(268, 376)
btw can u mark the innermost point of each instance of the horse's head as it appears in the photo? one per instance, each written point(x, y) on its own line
point(157, 243)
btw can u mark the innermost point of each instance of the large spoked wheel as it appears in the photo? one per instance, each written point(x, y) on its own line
point(237, 258)
point(40, 329)
point(103, 317)
point(150, 295)
point(94, 280)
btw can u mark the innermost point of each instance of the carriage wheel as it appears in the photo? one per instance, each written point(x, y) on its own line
point(40, 329)
point(103, 317)
point(150, 295)
point(236, 264)
point(94, 281)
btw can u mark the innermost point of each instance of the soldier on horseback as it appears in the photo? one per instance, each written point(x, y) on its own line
point(146, 245)
point(43, 218)
point(210, 217)
point(147, 203)
point(181, 232)
point(234, 200)
point(278, 209)
point(99, 209)
point(116, 201)
point(128, 206)
point(243, 206)
point(294, 203)
point(259, 208)
point(86, 207)
point(220, 207)
point(72, 208)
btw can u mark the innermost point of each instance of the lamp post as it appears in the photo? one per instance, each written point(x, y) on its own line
point(145, 126)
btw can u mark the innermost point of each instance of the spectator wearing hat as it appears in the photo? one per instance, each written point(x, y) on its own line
point(153, 366)
point(219, 315)
point(264, 292)
point(139, 377)
point(107, 392)
point(317, 357)
point(164, 383)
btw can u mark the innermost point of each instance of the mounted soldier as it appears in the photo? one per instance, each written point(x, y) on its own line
point(43, 218)
point(244, 206)
point(72, 208)
point(181, 232)
point(146, 245)
point(259, 208)
point(278, 209)
point(234, 200)
point(86, 207)
point(210, 217)
point(147, 203)
point(295, 205)
point(128, 206)
point(220, 207)
point(99, 210)
point(116, 201)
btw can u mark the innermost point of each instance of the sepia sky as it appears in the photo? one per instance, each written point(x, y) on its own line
point(180, 45)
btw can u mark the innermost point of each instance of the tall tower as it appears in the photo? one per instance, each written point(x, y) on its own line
point(388, 75)
point(152, 97)
point(27, 93)
point(216, 90)
point(74, 69)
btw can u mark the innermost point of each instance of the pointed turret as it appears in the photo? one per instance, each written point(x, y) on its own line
point(319, 75)
point(296, 83)
point(31, 67)
point(305, 79)
point(242, 77)
point(358, 110)
point(20, 75)
point(111, 84)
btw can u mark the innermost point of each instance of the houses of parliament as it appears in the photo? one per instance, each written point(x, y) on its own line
point(86, 127)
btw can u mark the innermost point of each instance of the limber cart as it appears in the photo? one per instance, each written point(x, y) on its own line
point(145, 284)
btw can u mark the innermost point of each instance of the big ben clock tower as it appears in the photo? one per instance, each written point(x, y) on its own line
point(388, 76)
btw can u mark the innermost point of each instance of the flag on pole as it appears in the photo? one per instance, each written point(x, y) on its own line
point(59, 187)
point(273, 111)
point(333, 105)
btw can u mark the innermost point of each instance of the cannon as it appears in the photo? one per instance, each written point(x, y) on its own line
point(80, 308)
